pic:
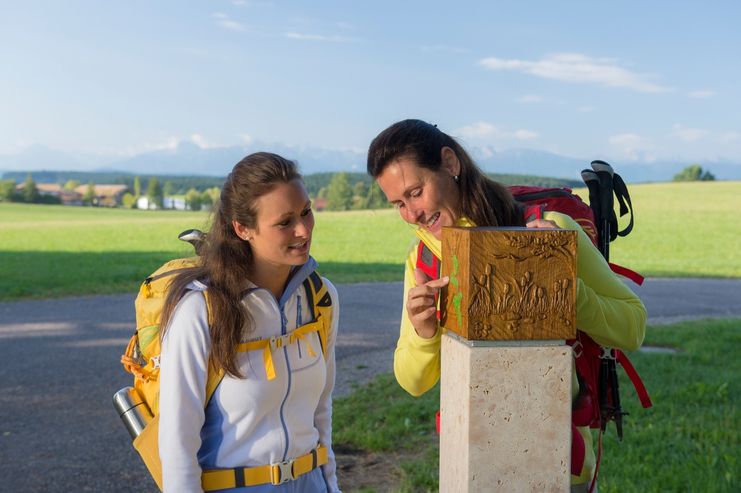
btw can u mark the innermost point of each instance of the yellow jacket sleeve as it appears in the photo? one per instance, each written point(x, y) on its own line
point(416, 360)
point(606, 308)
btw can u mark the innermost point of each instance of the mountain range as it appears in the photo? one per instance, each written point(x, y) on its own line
point(188, 158)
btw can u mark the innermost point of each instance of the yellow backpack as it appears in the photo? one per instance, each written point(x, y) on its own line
point(138, 406)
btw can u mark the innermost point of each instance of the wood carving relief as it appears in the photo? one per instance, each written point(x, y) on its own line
point(509, 283)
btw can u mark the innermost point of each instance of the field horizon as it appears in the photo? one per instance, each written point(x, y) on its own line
point(49, 251)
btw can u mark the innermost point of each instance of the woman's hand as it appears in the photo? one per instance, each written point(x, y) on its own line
point(422, 303)
point(542, 223)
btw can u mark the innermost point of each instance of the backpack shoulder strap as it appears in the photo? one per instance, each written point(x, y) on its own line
point(427, 261)
point(321, 302)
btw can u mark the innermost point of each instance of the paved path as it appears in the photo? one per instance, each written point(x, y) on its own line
point(58, 430)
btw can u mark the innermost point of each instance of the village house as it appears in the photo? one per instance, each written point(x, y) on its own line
point(105, 195)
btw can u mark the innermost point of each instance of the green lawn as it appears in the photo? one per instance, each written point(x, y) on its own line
point(682, 229)
point(689, 440)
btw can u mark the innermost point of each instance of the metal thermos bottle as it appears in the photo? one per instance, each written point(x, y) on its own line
point(132, 409)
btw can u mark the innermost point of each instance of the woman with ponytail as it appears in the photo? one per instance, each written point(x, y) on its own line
point(267, 426)
point(434, 183)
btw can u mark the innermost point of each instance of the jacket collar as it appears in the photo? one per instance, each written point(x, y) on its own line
point(433, 243)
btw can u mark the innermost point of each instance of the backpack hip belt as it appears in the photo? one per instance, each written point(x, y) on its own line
point(277, 473)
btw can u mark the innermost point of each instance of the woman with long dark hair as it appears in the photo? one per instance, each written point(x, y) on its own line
point(244, 311)
point(434, 183)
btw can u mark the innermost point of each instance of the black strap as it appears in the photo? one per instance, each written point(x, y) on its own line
point(239, 478)
point(623, 197)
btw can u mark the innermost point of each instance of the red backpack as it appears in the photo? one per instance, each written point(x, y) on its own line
point(598, 401)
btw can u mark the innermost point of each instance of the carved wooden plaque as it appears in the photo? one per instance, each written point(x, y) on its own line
point(509, 283)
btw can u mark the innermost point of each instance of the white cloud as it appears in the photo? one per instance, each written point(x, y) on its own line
point(575, 67)
point(246, 139)
point(484, 131)
point(318, 37)
point(585, 109)
point(529, 98)
point(201, 141)
point(702, 94)
point(730, 136)
point(632, 146)
point(688, 134)
point(226, 22)
point(167, 144)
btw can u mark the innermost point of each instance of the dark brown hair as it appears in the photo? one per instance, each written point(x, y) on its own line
point(227, 260)
point(483, 200)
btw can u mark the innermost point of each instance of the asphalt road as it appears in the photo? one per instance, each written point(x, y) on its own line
point(58, 429)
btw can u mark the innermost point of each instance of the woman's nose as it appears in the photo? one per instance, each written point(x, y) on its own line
point(304, 228)
point(411, 215)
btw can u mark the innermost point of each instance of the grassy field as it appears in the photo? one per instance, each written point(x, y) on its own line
point(689, 440)
point(682, 229)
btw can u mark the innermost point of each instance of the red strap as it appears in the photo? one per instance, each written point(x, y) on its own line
point(625, 272)
point(634, 377)
point(599, 459)
point(533, 212)
point(578, 451)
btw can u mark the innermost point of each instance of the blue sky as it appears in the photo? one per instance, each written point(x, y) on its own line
point(628, 80)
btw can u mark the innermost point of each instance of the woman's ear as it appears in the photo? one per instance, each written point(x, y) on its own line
point(449, 160)
point(242, 231)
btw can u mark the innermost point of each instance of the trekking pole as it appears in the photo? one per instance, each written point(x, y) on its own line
point(604, 173)
point(591, 180)
point(607, 224)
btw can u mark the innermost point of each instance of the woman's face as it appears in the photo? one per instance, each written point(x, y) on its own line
point(426, 198)
point(285, 221)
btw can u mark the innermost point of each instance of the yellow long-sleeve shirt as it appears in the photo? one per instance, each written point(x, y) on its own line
point(606, 309)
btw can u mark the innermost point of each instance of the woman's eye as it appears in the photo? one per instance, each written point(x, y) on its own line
point(416, 193)
point(306, 212)
point(285, 223)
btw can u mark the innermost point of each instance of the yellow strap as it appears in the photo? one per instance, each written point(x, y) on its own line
point(267, 345)
point(219, 479)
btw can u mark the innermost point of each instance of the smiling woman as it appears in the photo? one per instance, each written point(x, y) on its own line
point(253, 288)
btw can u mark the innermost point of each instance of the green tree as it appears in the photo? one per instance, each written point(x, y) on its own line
point(70, 185)
point(137, 187)
point(376, 198)
point(88, 198)
point(694, 172)
point(7, 191)
point(30, 191)
point(128, 201)
point(210, 196)
point(193, 199)
point(155, 193)
point(359, 196)
point(339, 193)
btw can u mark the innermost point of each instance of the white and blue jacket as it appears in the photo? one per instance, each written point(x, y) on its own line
point(250, 421)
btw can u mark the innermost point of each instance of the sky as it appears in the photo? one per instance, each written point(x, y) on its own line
point(632, 80)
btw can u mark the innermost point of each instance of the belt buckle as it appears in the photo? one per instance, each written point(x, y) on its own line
point(281, 472)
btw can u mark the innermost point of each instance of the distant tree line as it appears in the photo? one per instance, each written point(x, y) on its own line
point(334, 190)
point(180, 184)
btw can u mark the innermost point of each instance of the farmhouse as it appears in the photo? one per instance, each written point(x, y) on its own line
point(105, 195)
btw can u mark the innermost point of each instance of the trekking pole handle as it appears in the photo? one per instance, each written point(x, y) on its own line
point(601, 166)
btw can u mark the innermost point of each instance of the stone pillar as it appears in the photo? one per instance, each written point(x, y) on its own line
point(506, 372)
